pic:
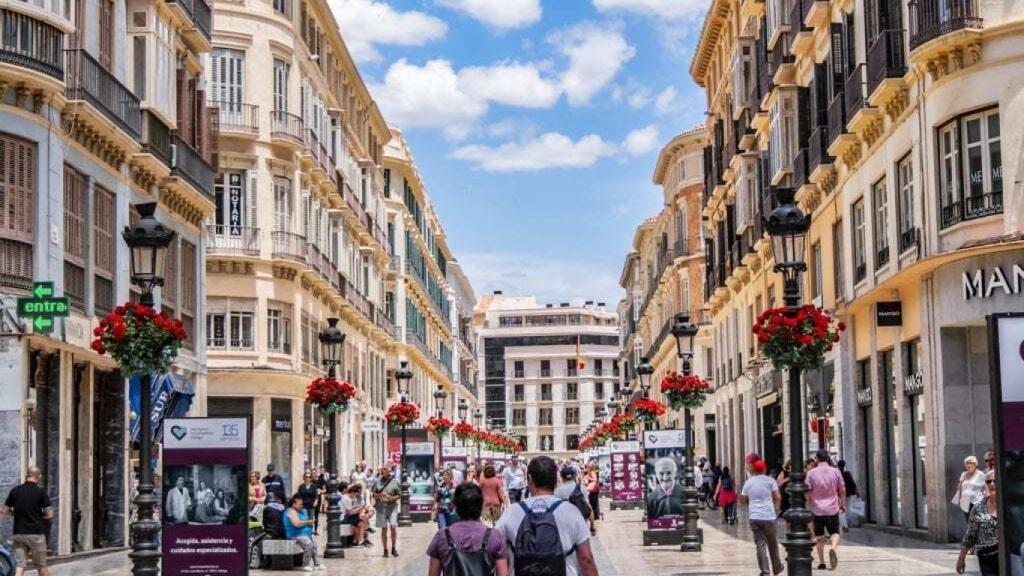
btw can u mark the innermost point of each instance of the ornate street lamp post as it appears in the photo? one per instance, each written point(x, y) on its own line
point(684, 331)
point(403, 375)
point(787, 225)
point(439, 396)
point(147, 244)
point(478, 415)
point(644, 371)
point(463, 410)
point(331, 340)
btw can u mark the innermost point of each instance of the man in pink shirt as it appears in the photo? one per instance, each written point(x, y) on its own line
point(827, 498)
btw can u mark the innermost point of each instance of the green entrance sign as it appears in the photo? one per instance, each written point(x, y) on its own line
point(42, 307)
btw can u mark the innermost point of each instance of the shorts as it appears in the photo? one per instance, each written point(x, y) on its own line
point(826, 523)
point(387, 516)
point(351, 519)
point(33, 545)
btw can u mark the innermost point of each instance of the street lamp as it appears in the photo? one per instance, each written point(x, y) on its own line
point(331, 340)
point(147, 244)
point(439, 395)
point(644, 371)
point(463, 410)
point(787, 225)
point(478, 415)
point(684, 331)
point(403, 375)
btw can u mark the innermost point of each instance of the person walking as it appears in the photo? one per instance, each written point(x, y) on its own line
point(494, 494)
point(514, 477)
point(982, 537)
point(594, 491)
point(726, 496)
point(529, 527)
point(30, 506)
point(783, 480)
point(469, 543)
point(570, 490)
point(761, 495)
point(443, 507)
point(310, 494)
point(273, 481)
point(851, 492)
point(827, 497)
point(970, 487)
point(386, 495)
point(298, 526)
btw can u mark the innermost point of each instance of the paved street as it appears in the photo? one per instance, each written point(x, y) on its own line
point(727, 550)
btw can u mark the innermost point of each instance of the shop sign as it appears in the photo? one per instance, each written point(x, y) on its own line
point(983, 283)
point(889, 314)
point(371, 426)
point(913, 384)
point(864, 397)
point(282, 425)
point(42, 307)
point(765, 384)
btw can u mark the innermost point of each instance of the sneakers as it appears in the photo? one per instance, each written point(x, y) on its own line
point(367, 544)
point(307, 568)
point(833, 559)
point(320, 568)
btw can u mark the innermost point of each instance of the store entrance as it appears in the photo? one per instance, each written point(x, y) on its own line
point(108, 494)
point(771, 432)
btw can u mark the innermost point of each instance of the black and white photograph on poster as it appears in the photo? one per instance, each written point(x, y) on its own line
point(1008, 428)
point(204, 494)
point(665, 456)
point(419, 463)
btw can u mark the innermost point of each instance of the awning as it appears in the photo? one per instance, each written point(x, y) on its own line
point(171, 398)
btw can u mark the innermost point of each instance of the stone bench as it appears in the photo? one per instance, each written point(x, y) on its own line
point(282, 554)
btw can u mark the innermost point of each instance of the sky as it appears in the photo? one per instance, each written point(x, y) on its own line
point(536, 125)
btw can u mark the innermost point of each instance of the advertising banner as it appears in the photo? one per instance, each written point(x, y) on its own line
point(419, 465)
point(1007, 331)
point(205, 499)
point(627, 474)
point(604, 469)
point(455, 455)
point(664, 458)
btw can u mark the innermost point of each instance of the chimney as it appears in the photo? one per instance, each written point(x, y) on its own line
point(588, 303)
point(550, 305)
point(497, 292)
point(600, 304)
point(564, 305)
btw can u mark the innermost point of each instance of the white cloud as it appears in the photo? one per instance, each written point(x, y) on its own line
point(672, 9)
point(428, 96)
point(510, 127)
point(549, 279)
point(595, 54)
point(498, 14)
point(549, 150)
point(639, 98)
point(665, 102)
point(641, 141)
point(367, 23)
point(510, 83)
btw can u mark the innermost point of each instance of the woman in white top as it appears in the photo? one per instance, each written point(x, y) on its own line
point(971, 486)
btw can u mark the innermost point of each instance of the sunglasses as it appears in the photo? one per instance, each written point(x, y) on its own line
point(990, 481)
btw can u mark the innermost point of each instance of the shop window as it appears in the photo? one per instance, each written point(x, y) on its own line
point(860, 258)
point(970, 167)
point(880, 197)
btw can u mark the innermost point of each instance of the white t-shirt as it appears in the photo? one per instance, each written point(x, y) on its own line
point(572, 528)
point(348, 503)
point(760, 489)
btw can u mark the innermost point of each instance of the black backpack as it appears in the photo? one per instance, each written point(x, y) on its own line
point(537, 550)
point(578, 500)
point(467, 562)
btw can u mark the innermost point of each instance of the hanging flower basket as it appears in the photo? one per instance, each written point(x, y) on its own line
point(140, 339)
point(586, 444)
point(647, 410)
point(402, 413)
point(438, 426)
point(626, 422)
point(463, 431)
point(330, 395)
point(684, 391)
point(797, 337)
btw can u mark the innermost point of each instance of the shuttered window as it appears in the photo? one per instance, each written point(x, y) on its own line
point(282, 204)
point(169, 293)
point(17, 210)
point(75, 191)
point(106, 28)
point(227, 79)
point(189, 287)
point(104, 242)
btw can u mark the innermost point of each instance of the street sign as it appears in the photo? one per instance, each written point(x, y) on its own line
point(42, 307)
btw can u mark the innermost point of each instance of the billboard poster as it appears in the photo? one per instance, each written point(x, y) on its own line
point(205, 498)
point(604, 469)
point(455, 456)
point(1007, 331)
point(419, 465)
point(664, 458)
point(627, 474)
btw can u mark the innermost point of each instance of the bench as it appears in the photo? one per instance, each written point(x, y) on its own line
point(346, 531)
point(282, 554)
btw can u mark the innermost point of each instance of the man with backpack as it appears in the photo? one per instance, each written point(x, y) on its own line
point(571, 490)
point(468, 547)
point(547, 536)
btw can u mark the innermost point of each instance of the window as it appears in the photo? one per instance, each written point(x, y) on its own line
point(282, 204)
point(169, 290)
point(241, 330)
point(75, 190)
point(746, 194)
point(598, 367)
point(520, 371)
point(880, 197)
point(783, 130)
point(681, 240)
point(572, 416)
point(860, 263)
point(545, 368)
point(837, 258)
point(545, 416)
point(572, 391)
point(279, 328)
point(970, 167)
point(598, 390)
point(519, 417)
point(519, 393)
point(572, 442)
point(188, 290)
point(905, 198)
point(545, 392)
point(815, 274)
point(227, 83)
point(105, 29)
point(229, 324)
point(280, 82)
point(571, 367)
point(283, 7)
point(684, 294)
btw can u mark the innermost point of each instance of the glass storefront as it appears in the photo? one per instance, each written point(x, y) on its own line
point(867, 440)
point(913, 388)
point(281, 439)
point(891, 421)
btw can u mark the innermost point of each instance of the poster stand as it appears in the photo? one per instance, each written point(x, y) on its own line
point(627, 477)
point(664, 458)
point(419, 463)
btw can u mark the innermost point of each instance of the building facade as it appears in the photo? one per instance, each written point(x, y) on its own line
point(546, 371)
point(879, 115)
point(663, 276)
point(464, 361)
point(102, 107)
point(296, 237)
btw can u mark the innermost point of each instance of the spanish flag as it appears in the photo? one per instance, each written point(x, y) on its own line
point(580, 364)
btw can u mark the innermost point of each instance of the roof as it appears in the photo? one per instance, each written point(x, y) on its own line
point(709, 33)
point(693, 137)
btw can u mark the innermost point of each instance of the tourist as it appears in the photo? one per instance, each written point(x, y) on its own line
point(982, 537)
point(726, 496)
point(570, 490)
point(30, 505)
point(594, 491)
point(514, 477)
point(494, 494)
point(761, 495)
point(970, 487)
point(310, 494)
point(851, 492)
point(443, 510)
point(273, 481)
point(257, 494)
point(783, 480)
point(356, 514)
point(468, 537)
point(298, 526)
point(386, 495)
point(827, 497)
point(576, 557)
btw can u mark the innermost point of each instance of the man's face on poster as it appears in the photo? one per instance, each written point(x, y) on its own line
point(180, 482)
point(665, 472)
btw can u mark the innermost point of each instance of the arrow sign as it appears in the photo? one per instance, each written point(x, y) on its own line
point(42, 289)
point(43, 324)
point(42, 307)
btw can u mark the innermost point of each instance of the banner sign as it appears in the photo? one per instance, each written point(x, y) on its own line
point(627, 475)
point(171, 396)
point(1006, 342)
point(664, 461)
point(456, 455)
point(419, 465)
point(604, 469)
point(205, 498)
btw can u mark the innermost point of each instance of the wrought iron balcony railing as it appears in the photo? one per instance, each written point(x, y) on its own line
point(972, 207)
point(886, 59)
point(854, 92)
point(237, 116)
point(930, 19)
point(87, 80)
point(286, 125)
point(232, 240)
point(31, 43)
point(188, 164)
point(288, 246)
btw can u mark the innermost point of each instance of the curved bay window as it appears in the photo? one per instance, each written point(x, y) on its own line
point(970, 167)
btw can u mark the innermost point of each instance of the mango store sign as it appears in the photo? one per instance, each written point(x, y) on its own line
point(985, 282)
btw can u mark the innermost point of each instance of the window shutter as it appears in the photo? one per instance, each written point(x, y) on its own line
point(836, 67)
point(305, 213)
point(217, 75)
point(251, 193)
point(804, 103)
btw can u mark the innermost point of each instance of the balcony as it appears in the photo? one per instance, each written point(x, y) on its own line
point(971, 208)
point(288, 246)
point(156, 139)
point(88, 81)
point(780, 63)
point(765, 78)
point(885, 59)
point(908, 239)
point(384, 322)
point(31, 44)
point(854, 92)
point(232, 240)
point(930, 19)
point(236, 117)
point(316, 150)
point(881, 257)
point(801, 36)
point(836, 118)
point(286, 127)
point(800, 168)
point(188, 164)
point(817, 149)
point(355, 298)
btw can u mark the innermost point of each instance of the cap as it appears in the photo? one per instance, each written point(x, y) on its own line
point(760, 467)
point(271, 466)
point(568, 472)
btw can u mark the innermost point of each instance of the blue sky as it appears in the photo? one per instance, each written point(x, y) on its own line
point(535, 123)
